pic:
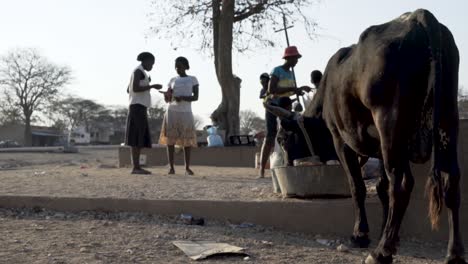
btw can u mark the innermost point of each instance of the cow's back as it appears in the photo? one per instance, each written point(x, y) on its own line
point(387, 69)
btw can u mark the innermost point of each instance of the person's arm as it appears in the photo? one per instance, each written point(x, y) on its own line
point(137, 76)
point(262, 93)
point(192, 98)
point(274, 89)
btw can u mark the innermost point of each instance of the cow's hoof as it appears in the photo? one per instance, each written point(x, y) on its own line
point(372, 259)
point(360, 242)
point(455, 260)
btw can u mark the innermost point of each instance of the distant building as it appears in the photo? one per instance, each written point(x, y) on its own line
point(41, 136)
point(101, 133)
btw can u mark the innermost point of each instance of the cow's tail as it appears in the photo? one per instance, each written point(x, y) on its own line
point(434, 186)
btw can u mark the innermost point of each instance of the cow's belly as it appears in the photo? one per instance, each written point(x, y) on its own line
point(364, 140)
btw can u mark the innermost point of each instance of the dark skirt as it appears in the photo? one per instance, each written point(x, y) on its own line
point(137, 134)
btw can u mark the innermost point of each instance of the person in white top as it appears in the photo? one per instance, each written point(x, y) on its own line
point(178, 125)
point(137, 133)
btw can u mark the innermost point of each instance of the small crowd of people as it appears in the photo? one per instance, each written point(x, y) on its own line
point(178, 127)
point(277, 88)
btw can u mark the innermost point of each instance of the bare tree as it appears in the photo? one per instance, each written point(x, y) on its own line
point(221, 25)
point(29, 83)
point(250, 122)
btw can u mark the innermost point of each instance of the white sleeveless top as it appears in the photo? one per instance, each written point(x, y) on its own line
point(181, 86)
point(143, 98)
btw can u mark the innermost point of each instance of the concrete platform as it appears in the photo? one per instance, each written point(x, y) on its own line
point(240, 156)
point(316, 216)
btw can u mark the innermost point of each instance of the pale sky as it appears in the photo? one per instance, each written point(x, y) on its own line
point(100, 39)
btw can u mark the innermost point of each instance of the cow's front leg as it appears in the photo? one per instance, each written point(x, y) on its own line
point(350, 163)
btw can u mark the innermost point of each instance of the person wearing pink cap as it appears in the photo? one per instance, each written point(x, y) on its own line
point(282, 84)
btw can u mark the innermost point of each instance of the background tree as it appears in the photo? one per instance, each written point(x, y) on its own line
point(220, 26)
point(9, 116)
point(119, 113)
point(250, 122)
point(29, 83)
point(155, 118)
point(76, 111)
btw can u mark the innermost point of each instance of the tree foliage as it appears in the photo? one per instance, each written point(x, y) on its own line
point(255, 21)
point(250, 122)
point(75, 111)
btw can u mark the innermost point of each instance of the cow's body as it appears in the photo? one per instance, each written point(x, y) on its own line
point(393, 96)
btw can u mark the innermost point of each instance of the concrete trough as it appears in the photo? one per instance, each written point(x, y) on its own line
point(312, 181)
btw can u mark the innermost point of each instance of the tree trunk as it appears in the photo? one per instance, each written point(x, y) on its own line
point(226, 116)
point(27, 131)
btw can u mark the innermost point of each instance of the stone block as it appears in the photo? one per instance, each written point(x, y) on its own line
point(241, 156)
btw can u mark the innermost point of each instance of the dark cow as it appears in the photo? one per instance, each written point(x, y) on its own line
point(293, 140)
point(393, 96)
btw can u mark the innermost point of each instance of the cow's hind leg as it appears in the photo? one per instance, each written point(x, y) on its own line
point(350, 163)
point(382, 192)
point(455, 250)
point(401, 184)
point(450, 173)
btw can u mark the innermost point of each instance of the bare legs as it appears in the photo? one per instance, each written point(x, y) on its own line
point(170, 157)
point(265, 154)
point(187, 151)
point(136, 162)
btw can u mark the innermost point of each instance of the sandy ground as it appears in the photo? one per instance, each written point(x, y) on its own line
point(94, 173)
point(55, 237)
point(87, 237)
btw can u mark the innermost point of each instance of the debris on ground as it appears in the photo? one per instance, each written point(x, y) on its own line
point(325, 242)
point(342, 248)
point(197, 250)
point(188, 219)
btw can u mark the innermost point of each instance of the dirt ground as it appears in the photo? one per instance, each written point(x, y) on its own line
point(88, 237)
point(55, 237)
point(94, 173)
